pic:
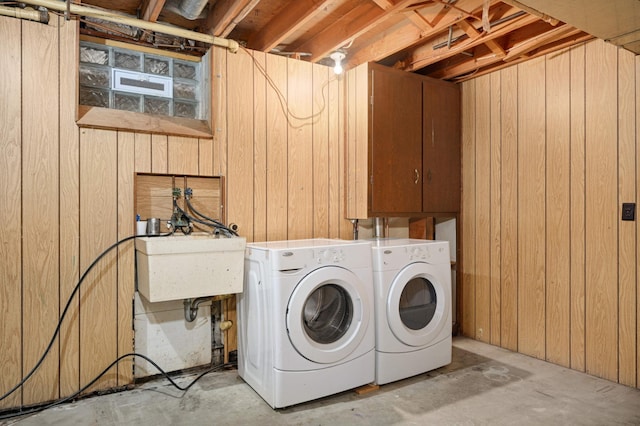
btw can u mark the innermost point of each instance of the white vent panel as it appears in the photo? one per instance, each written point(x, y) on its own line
point(145, 84)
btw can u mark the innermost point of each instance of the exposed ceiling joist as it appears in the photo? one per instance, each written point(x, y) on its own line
point(290, 19)
point(151, 9)
point(440, 38)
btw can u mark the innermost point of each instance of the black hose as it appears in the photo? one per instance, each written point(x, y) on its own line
point(216, 225)
point(66, 309)
point(88, 385)
point(208, 218)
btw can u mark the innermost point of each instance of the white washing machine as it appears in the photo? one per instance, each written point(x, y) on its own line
point(306, 319)
point(412, 281)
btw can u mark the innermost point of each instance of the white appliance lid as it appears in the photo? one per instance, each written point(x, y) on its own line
point(308, 243)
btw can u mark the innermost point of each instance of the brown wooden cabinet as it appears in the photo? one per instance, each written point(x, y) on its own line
point(395, 142)
point(403, 148)
point(440, 147)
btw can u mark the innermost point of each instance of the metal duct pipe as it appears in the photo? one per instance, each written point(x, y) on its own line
point(188, 9)
point(30, 14)
point(191, 9)
point(76, 9)
point(378, 228)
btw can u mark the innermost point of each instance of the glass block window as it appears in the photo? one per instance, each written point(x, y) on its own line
point(187, 85)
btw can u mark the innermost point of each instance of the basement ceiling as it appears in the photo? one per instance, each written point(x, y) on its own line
point(446, 39)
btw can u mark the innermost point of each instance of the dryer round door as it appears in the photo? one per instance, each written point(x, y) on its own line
point(327, 314)
point(416, 305)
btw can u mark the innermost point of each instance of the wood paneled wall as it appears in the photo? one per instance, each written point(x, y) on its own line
point(67, 194)
point(550, 153)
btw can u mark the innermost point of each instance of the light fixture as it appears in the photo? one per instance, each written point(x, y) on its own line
point(337, 57)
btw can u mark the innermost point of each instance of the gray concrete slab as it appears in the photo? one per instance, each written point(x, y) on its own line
point(484, 385)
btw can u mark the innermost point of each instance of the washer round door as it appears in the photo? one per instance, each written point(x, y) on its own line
point(327, 314)
point(416, 305)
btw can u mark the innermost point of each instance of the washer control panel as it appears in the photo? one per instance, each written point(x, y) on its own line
point(330, 255)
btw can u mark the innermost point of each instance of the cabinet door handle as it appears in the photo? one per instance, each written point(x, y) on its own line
point(429, 175)
point(417, 175)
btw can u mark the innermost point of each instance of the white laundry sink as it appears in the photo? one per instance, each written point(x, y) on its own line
point(189, 266)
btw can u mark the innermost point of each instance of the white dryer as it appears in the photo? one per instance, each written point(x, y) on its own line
point(412, 281)
point(305, 319)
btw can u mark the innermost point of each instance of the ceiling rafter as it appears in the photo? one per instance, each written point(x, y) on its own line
point(225, 15)
point(474, 34)
point(471, 69)
point(412, 15)
point(150, 10)
point(409, 35)
point(533, 43)
point(426, 55)
point(439, 38)
point(290, 19)
point(356, 22)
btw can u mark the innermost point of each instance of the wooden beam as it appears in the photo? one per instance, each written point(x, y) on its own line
point(358, 21)
point(151, 9)
point(226, 14)
point(412, 15)
point(409, 35)
point(535, 42)
point(285, 23)
point(471, 31)
point(425, 55)
point(476, 68)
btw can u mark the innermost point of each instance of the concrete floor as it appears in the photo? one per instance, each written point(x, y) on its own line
point(483, 385)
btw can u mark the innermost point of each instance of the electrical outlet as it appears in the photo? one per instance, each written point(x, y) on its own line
point(628, 211)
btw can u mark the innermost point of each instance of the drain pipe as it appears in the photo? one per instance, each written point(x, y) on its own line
point(76, 9)
point(354, 222)
point(29, 14)
point(191, 307)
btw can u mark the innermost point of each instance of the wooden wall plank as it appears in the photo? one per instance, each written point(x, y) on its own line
point(558, 250)
point(126, 254)
point(300, 150)
point(320, 150)
point(182, 155)
point(483, 208)
point(240, 143)
point(509, 210)
point(10, 210)
point(577, 207)
point(601, 211)
point(495, 211)
point(70, 205)
point(627, 182)
point(259, 147)
point(143, 152)
point(637, 79)
point(357, 94)
point(361, 159)
point(531, 208)
point(350, 143)
point(277, 147)
point(467, 292)
point(205, 157)
point(219, 107)
point(98, 230)
point(159, 151)
point(336, 157)
point(40, 197)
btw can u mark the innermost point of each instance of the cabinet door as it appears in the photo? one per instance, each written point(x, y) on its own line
point(441, 147)
point(395, 143)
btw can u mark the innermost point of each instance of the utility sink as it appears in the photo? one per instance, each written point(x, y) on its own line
point(189, 266)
